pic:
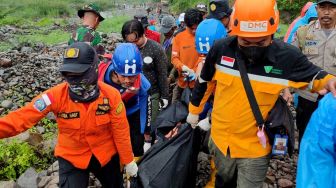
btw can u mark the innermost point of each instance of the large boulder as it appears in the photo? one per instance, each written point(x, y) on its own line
point(8, 104)
point(28, 178)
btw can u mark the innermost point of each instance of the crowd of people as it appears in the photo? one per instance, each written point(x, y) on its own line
point(105, 110)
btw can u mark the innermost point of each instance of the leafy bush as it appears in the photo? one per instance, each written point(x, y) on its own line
point(291, 5)
point(16, 157)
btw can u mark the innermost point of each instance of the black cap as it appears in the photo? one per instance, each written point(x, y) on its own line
point(219, 8)
point(78, 58)
point(326, 1)
point(143, 19)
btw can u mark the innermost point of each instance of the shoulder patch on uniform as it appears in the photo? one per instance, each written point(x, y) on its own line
point(42, 103)
point(120, 107)
point(71, 53)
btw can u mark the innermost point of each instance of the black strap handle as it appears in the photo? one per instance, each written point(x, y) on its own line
point(248, 90)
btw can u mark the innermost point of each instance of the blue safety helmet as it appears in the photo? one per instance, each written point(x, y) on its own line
point(127, 60)
point(207, 32)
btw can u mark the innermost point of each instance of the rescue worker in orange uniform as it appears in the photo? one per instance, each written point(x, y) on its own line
point(93, 132)
point(184, 54)
point(272, 65)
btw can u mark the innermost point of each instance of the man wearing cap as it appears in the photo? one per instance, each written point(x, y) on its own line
point(168, 28)
point(237, 141)
point(93, 132)
point(220, 10)
point(91, 18)
point(317, 41)
point(203, 8)
point(148, 33)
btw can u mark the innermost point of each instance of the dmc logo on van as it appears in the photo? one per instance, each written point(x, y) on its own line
point(253, 26)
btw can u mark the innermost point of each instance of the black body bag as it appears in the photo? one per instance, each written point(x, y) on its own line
point(172, 161)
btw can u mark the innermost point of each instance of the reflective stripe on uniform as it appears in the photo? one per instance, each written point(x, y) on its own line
point(253, 77)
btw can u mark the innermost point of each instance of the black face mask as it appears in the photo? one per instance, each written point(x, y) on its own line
point(253, 53)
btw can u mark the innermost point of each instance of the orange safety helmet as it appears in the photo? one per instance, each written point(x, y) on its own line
point(254, 18)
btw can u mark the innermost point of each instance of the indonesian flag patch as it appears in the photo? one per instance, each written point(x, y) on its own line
point(228, 61)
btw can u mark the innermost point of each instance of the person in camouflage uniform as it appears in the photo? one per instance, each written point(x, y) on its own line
point(87, 31)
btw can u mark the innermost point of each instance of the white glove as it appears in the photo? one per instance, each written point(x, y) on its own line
point(186, 71)
point(163, 103)
point(146, 146)
point(131, 169)
point(204, 124)
point(192, 119)
point(185, 68)
point(190, 77)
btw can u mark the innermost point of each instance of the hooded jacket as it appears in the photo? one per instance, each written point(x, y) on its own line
point(308, 12)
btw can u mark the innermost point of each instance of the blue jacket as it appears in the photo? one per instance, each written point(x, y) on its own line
point(317, 156)
point(311, 13)
point(139, 101)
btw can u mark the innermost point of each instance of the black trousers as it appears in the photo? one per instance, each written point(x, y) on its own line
point(109, 175)
point(304, 111)
point(137, 139)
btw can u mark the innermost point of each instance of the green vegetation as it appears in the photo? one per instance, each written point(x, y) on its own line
point(292, 6)
point(282, 31)
point(46, 22)
point(113, 24)
point(4, 46)
point(16, 157)
point(178, 6)
point(19, 11)
point(38, 16)
point(50, 38)
point(50, 128)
